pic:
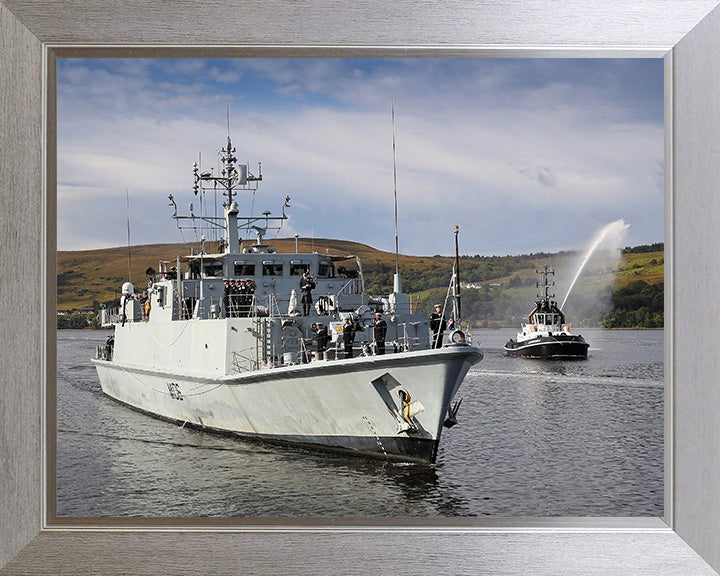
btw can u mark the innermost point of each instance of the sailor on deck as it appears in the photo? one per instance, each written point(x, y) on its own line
point(438, 326)
point(379, 332)
point(226, 298)
point(109, 345)
point(348, 337)
point(322, 341)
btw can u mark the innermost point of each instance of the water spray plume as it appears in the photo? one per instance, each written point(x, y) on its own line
point(612, 236)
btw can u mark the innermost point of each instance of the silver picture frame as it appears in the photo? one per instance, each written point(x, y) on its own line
point(686, 33)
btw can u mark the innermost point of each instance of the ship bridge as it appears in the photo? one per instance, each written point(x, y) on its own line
point(275, 279)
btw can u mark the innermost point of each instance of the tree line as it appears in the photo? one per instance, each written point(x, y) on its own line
point(638, 305)
point(503, 298)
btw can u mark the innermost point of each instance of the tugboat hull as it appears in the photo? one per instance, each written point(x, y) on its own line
point(573, 347)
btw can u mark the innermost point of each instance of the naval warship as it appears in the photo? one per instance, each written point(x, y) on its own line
point(238, 338)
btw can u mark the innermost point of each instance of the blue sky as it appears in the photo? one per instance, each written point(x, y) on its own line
point(525, 155)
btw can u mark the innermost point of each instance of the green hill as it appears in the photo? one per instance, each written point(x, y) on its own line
point(501, 288)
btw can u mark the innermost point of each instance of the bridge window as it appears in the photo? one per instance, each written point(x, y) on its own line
point(271, 268)
point(213, 269)
point(297, 267)
point(244, 268)
point(325, 269)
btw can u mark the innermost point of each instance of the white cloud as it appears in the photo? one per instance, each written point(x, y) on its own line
point(519, 169)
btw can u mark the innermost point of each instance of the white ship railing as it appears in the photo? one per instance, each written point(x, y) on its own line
point(405, 342)
point(352, 286)
point(241, 306)
point(243, 361)
point(304, 354)
point(468, 333)
point(274, 306)
point(108, 317)
point(186, 308)
point(103, 352)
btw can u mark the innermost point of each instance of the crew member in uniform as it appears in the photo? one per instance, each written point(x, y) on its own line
point(379, 332)
point(230, 298)
point(250, 297)
point(109, 345)
point(226, 298)
point(323, 338)
point(438, 326)
point(242, 299)
point(348, 338)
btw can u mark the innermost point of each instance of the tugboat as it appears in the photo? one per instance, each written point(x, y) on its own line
point(546, 335)
point(280, 347)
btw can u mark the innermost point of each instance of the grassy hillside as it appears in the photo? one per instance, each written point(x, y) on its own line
point(504, 286)
point(648, 267)
point(97, 275)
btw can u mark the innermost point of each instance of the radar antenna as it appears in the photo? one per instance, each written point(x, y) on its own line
point(233, 179)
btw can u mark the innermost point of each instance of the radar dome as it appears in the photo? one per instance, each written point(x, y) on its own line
point(128, 289)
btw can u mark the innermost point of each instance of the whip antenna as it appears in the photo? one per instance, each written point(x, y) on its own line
point(127, 203)
point(456, 280)
point(397, 251)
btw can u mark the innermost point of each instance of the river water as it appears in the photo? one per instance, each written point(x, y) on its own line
point(535, 438)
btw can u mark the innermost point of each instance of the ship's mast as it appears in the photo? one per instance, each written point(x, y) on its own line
point(397, 279)
point(231, 175)
point(456, 279)
point(545, 283)
point(397, 248)
point(233, 178)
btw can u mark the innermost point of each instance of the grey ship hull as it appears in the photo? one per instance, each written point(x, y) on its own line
point(349, 405)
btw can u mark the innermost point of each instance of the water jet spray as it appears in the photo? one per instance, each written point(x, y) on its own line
point(612, 236)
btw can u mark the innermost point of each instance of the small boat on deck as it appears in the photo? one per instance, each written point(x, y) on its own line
point(546, 333)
